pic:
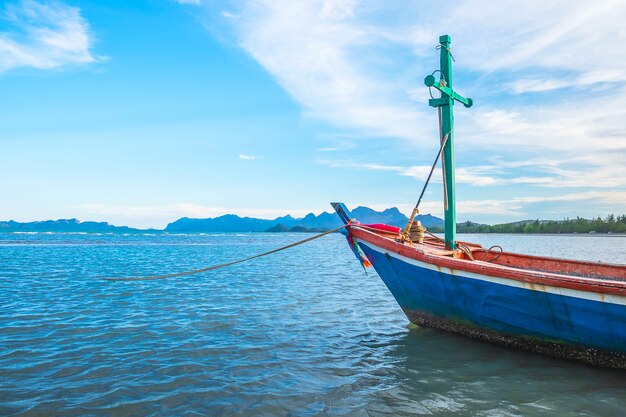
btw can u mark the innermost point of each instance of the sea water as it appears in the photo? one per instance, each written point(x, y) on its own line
point(304, 332)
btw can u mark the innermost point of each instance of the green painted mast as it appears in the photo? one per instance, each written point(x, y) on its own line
point(445, 105)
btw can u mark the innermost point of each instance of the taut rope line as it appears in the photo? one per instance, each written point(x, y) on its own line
point(210, 268)
point(405, 233)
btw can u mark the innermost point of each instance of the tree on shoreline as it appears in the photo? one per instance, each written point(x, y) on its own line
point(610, 224)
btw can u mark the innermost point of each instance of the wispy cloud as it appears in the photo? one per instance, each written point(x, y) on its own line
point(346, 61)
point(612, 197)
point(608, 201)
point(584, 80)
point(477, 175)
point(311, 49)
point(247, 157)
point(565, 35)
point(194, 2)
point(580, 172)
point(584, 171)
point(358, 66)
point(43, 35)
point(521, 207)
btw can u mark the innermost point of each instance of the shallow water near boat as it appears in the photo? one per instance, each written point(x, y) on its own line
point(302, 332)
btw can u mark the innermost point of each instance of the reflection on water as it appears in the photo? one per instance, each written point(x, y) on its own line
point(305, 332)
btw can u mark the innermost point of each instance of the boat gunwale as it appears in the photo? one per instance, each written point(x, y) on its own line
point(589, 284)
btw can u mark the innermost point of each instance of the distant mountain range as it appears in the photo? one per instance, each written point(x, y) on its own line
point(68, 226)
point(227, 223)
point(310, 222)
point(325, 221)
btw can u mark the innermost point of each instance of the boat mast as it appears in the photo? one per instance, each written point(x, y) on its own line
point(446, 124)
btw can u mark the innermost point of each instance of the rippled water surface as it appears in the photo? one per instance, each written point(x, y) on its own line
point(304, 332)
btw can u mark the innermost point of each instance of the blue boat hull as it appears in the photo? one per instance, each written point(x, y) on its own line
point(564, 323)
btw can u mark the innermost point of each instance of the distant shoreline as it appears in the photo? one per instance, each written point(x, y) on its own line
point(165, 233)
point(311, 223)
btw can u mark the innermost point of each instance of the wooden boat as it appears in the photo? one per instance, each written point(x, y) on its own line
point(564, 308)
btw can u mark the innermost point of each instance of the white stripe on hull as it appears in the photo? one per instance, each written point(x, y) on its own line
point(603, 298)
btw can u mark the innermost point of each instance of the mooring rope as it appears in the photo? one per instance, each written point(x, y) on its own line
point(210, 268)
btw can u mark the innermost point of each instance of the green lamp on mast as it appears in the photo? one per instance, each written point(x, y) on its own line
point(446, 125)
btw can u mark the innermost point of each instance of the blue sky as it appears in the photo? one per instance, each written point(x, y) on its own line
point(141, 112)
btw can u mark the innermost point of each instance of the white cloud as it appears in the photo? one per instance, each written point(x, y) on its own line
point(585, 172)
point(358, 66)
point(309, 47)
point(611, 197)
point(591, 126)
point(506, 208)
point(568, 35)
point(346, 61)
point(247, 157)
point(519, 206)
point(476, 175)
point(540, 84)
point(194, 2)
point(360, 165)
point(595, 176)
point(43, 36)
point(338, 9)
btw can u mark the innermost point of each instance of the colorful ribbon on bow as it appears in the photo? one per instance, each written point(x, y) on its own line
point(354, 246)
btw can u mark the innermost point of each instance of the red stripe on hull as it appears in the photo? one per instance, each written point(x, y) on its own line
point(518, 267)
